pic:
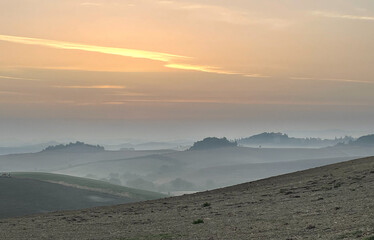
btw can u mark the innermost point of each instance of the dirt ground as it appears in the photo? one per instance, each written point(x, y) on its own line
point(332, 202)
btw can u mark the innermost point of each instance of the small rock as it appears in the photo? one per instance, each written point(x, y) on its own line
point(309, 227)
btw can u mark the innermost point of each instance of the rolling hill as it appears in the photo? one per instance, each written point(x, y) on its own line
point(330, 202)
point(212, 143)
point(179, 171)
point(30, 193)
point(51, 160)
point(272, 139)
point(6, 150)
point(200, 168)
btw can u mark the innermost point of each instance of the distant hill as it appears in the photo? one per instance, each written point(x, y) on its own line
point(157, 171)
point(175, 145)
point(75, 147)
point(25, 148)
point(365, 140)
point(211, 143)
point(53, 160)
point(30, 193)
point(273, 139)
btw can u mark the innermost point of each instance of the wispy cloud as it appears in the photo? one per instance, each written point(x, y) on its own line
point(170, 60)
point(333, 80)
point(211, 69)
point(94, 87)
point(10, 93)
point(227, 15)
point(163, 101)
point(19, 78)
point(128, 94)
point(208, 69)
point(163, 57)
point(90, 4)
point(342, 16)
point(256, 76)
point(231, 102)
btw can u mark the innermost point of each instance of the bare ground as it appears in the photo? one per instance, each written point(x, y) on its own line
point(331, 202)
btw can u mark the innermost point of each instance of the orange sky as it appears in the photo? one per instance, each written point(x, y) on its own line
point(187, 59)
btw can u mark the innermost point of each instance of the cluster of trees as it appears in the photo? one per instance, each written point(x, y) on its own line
point(364, 141)
point(213, 142)
point(272, 138)
point(74, 145)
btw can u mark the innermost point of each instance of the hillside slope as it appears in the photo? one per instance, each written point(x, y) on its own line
point(30, 193)
point(90, 184)
point(331, 202)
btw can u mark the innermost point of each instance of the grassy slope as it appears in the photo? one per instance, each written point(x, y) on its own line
point(136, 194)
point(29, 196)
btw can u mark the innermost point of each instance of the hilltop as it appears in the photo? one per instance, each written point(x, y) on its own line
point(212, 143)
point(33, 148)
point(365, 141)
point(75, 147)
point(272, 139)
point(330, 202)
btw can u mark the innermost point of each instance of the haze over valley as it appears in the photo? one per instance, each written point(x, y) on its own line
point(207, 164)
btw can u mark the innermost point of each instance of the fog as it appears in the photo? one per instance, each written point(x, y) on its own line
point(177, 171)
point(36, 131)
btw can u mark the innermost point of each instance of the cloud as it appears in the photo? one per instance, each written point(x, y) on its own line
point(343, 16)
point(333, 80)
point(227, 15)
point(211, 69)
point(128, 94)
point(230, 102)
point(94, 87)
point(256, 76)
point(163, 101)
point(208, 69)
point(19, 78)
point(90, 4)
point(171, 60)
point(163, 57)
point(11, 93)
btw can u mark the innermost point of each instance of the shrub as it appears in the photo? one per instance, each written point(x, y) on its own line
point(206, 204)
point(198, 221)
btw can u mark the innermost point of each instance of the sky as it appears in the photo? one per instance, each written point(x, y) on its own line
point(167, 69)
